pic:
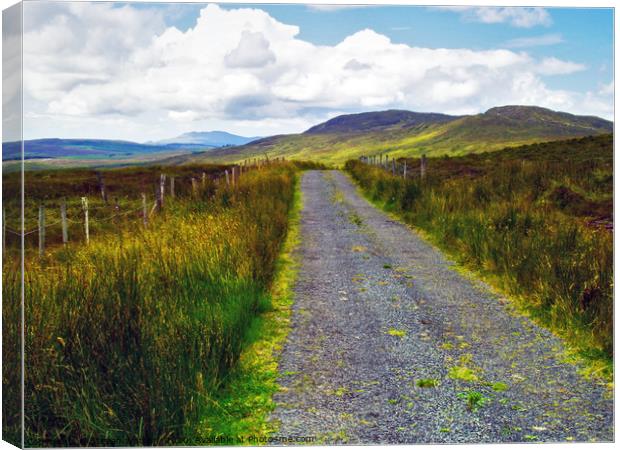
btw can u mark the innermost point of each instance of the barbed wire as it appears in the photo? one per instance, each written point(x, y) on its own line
point(35, 230)
point(210, 176)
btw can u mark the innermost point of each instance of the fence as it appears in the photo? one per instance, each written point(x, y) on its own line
point(166, 187)
point(396, 167)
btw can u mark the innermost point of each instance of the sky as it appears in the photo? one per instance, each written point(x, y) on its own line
point(145, 72)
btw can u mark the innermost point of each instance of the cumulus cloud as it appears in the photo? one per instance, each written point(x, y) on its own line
point(242, 65)
point(522, 17)
point(252, 51)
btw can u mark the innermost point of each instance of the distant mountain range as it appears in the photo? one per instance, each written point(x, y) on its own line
point(208, 138)
point(102, 148)
point(396, 132)
point(84, 149)
point(407, 133)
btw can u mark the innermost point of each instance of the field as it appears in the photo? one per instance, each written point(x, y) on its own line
point(130, 337)
point(168, 333)
point(534, 220)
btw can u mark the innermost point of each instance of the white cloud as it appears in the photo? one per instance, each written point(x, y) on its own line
point(523, 17)
point(243, 69)
point(252, 51)
point(607, 89)
point(535, 41)
point(554, 66)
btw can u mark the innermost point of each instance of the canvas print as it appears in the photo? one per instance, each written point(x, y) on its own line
point(297, 224)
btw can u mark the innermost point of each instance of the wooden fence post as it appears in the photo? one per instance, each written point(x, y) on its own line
point(227, 180)
point(172, 194)
point(85, 208)
point(162, 191)
point(41, 230)
point(405, 170)
point(194, 187)
point(145, 213)
point(63, 219)
point(423, 166)
point(204, 179)
point(104, 195)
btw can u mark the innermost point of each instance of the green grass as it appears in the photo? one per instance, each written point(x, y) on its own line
point(474, 399)
point(427, 383)
point(397, 333)
point(133, 339)
point(462, 373)
point(499, 386)
point(242, 408)
point(501, 215)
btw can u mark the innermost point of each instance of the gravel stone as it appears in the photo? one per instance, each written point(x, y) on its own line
point(377, 309)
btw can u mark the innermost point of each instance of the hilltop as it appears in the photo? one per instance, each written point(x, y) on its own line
point(406, 133)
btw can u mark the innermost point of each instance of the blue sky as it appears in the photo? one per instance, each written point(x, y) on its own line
point(256, 76)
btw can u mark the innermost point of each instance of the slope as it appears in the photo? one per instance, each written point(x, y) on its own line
point(404, 133)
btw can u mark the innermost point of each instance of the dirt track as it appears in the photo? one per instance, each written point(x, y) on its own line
point(377, 310)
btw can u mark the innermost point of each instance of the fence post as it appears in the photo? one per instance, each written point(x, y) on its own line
point(204, 179)
point(85, 208)
point(145, 214)
point(41, 230)
point(405, 170)
point(63, 219)
point(194, 187)
point(227, 180)
point(172, 187)
point(162, 190)
point(104, 195)
point(423, 166)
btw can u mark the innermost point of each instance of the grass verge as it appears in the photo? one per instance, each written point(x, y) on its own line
point(241, 410)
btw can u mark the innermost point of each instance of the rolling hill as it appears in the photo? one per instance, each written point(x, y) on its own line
point(406, 133)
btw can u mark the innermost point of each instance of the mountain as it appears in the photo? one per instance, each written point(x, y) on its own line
point(208, 138)
point(406, 133)
point(373, 121)
point(85, 148)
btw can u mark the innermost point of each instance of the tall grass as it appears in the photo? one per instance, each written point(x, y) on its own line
point(127, 338)
point(499, 214)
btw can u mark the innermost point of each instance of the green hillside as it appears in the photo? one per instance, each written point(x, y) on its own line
point(408, 134)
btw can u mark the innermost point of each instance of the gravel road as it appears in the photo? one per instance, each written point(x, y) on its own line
point(389, 344)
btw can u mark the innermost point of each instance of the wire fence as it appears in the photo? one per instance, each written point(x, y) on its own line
point(397, 167)
point(168, 188)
